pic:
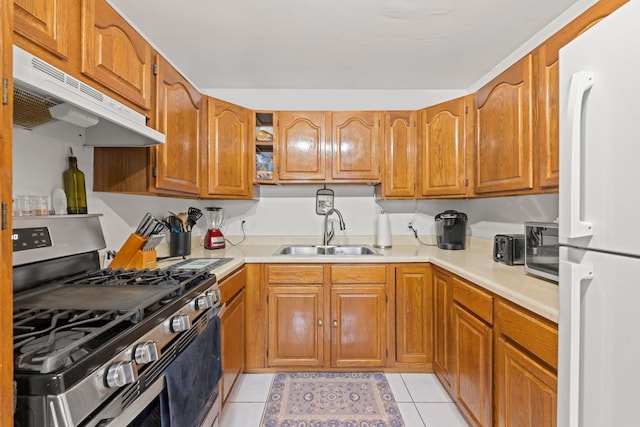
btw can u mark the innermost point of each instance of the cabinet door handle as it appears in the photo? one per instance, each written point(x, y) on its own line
point(335, 323)
point(319, 322)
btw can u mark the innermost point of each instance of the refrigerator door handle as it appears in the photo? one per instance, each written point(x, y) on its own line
point(581, 82)
point(577, 274)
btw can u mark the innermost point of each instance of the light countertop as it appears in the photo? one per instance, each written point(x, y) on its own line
point(475, 264)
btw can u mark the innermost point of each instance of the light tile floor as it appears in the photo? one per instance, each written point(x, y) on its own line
point(421, 399)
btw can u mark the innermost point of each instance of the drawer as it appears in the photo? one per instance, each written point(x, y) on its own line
point(474, 299)
point(359, 273)
point(230, 286)
point(538, 336)
point(295, 274)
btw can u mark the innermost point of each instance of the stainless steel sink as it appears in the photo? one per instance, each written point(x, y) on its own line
point(344, 250)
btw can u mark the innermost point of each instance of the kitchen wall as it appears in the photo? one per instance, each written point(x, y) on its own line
point(40, 157)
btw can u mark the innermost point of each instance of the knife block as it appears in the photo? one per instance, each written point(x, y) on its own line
point(131, 255)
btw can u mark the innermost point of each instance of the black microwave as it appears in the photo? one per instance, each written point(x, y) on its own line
point(542, 252)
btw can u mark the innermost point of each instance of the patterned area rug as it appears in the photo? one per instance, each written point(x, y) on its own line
point(331, 399)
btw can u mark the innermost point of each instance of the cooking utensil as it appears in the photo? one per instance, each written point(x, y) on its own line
point(175, 224)
point(194, 213)
point(183, 219)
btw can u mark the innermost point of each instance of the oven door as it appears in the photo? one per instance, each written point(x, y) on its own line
point(144, 409)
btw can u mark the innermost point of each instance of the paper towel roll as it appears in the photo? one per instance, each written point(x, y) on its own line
point(384, 232)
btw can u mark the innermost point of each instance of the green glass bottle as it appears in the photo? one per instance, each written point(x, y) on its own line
point(74, 187)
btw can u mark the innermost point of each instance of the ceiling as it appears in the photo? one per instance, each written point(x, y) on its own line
point(338, 44)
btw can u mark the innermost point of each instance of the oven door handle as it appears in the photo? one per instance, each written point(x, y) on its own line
point(141, 402)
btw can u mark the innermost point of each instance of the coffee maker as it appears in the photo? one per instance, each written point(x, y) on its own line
point(451, 229)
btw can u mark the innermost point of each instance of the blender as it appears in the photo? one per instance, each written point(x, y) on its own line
point(215, 217)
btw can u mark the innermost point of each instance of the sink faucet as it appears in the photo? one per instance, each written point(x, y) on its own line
point(328, 235)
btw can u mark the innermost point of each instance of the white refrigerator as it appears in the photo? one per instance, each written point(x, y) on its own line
point(599, 311)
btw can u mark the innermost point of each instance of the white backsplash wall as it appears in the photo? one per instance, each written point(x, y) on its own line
point(40, 157)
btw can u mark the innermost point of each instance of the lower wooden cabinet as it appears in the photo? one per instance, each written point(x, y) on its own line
point(525, 383)
point(472, 319)
point(442, 328)
point(322, 315)
point(358, 326)
point(232, 330)
point(296, 326)
point(414, 316)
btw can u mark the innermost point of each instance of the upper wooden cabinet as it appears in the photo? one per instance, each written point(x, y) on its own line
point(504, 131)
point(399, 143)
point(548, 88)
point(301, 151)
point(356, 146)
point(48, 29)
point(227, 154)
point(114, 54)
point(6, 244)
point(443, 148)
point(177, 162)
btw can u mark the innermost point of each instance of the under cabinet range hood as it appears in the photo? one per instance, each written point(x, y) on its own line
point(43, 93)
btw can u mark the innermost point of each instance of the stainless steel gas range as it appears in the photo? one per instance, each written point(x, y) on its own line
point(102, 347)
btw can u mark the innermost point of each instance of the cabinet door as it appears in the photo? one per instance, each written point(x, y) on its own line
point(526, 362)
point(443, 149)
point(503, 131)
point(358, 326)
point(473, 358)
point(6, 246)
point(399, 155)
point(178, 117)
point(227, 170)
point(301, 151)
point(526, 390)
point(296, 326)
point(47, 25)
point(548, 87)
point(356, 146)
point(114, 54)
point(414, 298)
point(442, 331)
point(232, 342)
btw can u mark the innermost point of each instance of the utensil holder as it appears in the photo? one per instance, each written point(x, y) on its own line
point(180, 244)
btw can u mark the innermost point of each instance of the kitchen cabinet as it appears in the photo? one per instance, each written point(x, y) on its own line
point(443, 149)
point(6, 244)
point(232, 330)
point(177, 162)
point(504, 131)
point(547, 90)
point(227, 157)
point(356, 146)
point(302, 146)
point(443, 328)
point(399, 156)
point(264, 137)
point(358, 315)
point(324, 315)
point(414, 315)
point(50, 30)
point(115, 55)
point(473, 335)
point(526, 352)
point(296, 315)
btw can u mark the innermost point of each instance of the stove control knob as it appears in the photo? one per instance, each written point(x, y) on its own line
point(146, 352)
point(180, 323)
point(120, 374)
point(204, 302)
